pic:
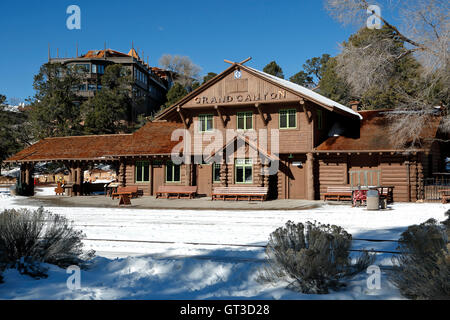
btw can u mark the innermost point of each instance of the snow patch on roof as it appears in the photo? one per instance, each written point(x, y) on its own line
point(307, 92)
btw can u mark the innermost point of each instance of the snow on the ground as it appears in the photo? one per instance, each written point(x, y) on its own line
point(14, 172)
point(188, 278)
point(44, 191)
point(136, 270)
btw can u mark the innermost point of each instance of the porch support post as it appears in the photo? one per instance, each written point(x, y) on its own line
point(408, 180)
point(29, 178)
point(122, 175)
point(27, 174)
point(310, 176)
point(75, 179)
point(22, 173)
point(188, 175)
point(265, 170)
point(67, 165)
point(79, 180)
point(73, 175)
point(224, 173)
point(152, 175)
point(346, 170)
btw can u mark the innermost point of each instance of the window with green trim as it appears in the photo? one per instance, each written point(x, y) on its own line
point(216, 172)
point(288, 119)
point(319, 119)
point(173, 172)
point(205, 122)
point(243, 171)
point(245, 120)
point(142, 169)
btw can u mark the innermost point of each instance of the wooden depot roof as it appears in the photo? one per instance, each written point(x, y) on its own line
point(374, 135)
point(152, 139)
point(70, 148)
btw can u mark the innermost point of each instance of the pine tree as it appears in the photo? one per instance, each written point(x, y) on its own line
point(175, 94)
point(274, 69)
point(12, 132)
point(404, 74)
point(105, 113)
point(54, 110)
point(332, 86)
point(302, 78)
point(209, 76)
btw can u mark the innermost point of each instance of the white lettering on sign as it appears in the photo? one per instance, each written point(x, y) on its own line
point(281, 94)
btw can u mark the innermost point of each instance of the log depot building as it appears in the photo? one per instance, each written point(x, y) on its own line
point(315, 143)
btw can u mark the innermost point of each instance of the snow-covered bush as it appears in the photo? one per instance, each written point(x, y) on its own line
point(28, 238)
point(422, 270)
point(447, 223)
point(312, 258)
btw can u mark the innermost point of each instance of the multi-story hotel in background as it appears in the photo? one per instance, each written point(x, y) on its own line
point(149, 87)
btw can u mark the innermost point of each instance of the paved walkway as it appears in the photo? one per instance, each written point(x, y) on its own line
point(185, 204)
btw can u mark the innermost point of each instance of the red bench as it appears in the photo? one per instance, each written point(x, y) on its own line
point(240, 193)
point(445, 196)
point(176, 192)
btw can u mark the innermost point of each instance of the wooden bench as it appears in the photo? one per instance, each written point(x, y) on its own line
point(132, 192)
point(338, 194)
point(240, 193)
point(176, 192)
point(445, 195)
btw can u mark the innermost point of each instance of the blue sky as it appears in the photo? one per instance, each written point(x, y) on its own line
point(207, 31)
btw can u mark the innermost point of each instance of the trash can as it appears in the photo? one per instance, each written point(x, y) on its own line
point(373, 200)
point(383, 203)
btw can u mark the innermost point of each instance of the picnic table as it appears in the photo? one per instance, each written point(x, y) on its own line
point(124, 198)
point(125, 194)
point(445, 195)
point(359, 194)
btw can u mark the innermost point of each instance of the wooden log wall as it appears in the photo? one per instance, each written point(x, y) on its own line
point(147, 187)
point(332, 172)
point(403, 172)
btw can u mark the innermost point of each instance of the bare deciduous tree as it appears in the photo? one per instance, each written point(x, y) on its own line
point(186, 72)
point(425, 32)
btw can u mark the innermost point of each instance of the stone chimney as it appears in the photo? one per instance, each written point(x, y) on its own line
point(355, 105)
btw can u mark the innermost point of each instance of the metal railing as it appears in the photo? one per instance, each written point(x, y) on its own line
point(433, 186)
